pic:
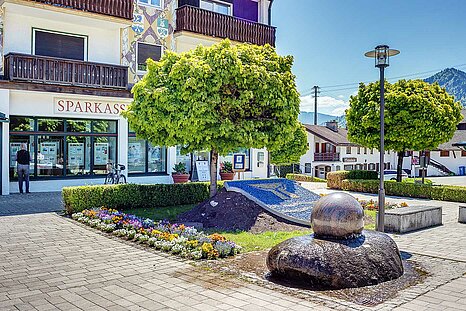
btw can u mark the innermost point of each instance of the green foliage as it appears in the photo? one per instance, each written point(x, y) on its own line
point(170, 213)
point(418, 116)
point(226, 167)
point(283, 170)
point(129, 196)
point(302, 177)
point(335, 179)
point(218, 98)
point(180, 168)
point(291, 151)
point(417, 181)
point(362, 174)
point(426, 191)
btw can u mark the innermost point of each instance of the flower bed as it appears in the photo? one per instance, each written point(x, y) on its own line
point(177, 239)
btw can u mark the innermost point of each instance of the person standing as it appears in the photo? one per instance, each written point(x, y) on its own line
point(23, 158)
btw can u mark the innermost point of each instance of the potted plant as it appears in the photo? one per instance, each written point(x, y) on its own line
point(179, 174)
point(226, 171)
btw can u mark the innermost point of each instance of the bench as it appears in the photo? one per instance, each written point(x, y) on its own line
point(406, 219)
point(462, 215)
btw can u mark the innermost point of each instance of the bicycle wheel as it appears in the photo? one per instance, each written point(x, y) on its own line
point(109, 179)
point(122, 179)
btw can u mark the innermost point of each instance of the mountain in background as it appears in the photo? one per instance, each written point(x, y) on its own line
point(308, 118)
point(454, 81)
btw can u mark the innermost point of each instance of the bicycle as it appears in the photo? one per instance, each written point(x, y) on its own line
point(115, 176)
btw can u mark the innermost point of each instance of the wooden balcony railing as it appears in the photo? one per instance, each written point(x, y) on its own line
point(329, 156)
point(51, 70)
point(189, 18)
point(116, 8)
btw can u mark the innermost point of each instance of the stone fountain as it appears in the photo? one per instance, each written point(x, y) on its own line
point(340, 254)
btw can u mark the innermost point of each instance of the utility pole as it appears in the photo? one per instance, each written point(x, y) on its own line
point(316, 92)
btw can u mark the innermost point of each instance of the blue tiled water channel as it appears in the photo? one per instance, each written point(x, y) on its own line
point(281, 196)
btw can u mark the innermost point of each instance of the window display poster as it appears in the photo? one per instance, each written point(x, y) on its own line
point(100, 153)
point(135, 155)
point(14, 148)
point(202, 169)
point(76, 154)
point(48, 153)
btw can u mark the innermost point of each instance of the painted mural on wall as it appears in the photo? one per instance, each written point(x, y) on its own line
point(153, 25)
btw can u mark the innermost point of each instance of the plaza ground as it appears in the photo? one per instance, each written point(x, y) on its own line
point(48, 262)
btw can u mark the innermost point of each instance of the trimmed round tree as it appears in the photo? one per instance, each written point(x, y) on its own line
point(291, 151)
point(218, 98)
point(418, 116)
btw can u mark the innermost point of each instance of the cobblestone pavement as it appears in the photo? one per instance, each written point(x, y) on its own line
point(31, 203)
point(48, 262)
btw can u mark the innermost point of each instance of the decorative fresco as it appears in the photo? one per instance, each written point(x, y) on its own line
point(150, 25)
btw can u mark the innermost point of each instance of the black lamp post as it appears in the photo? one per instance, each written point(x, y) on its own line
point(382, 54)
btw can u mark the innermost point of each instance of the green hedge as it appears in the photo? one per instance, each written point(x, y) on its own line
point(361, 174)
point(335, 179)
point(403, 189)
point(302, 177)
point(126, 196)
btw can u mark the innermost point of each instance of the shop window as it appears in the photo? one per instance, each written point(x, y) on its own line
point(55, 44)
point(216, 6)
point(50, 158)
point(146, 51)
point(143, 158)
point(104, 126)
point(78, 155)
point(156, 159)
point(15, 146)
point(50, 125)
point(157, 3)
point(21, 124)
point(444, 153)
point(104, 149)
point(348, 150)
point(308, 168)
point(78, 126)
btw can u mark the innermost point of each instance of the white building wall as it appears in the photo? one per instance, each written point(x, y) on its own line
point(452, 162)
point(5, 108)
point(19, 20)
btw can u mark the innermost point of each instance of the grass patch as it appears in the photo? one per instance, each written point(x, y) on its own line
point(373, 215)
point(257, 242)
point(161, 213)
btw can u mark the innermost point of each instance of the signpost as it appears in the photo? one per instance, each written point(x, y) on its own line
point(239, 163)
point(202, 169)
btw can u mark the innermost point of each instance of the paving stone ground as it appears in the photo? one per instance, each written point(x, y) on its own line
point(48, 262)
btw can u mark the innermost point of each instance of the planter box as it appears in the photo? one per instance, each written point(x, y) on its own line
point(406, 219)
point(180, 178)
point(227, 176)
point(462, 215)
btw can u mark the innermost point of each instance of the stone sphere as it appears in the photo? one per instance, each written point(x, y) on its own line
point(337, 215)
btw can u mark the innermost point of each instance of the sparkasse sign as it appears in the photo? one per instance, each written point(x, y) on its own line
point(87, 106)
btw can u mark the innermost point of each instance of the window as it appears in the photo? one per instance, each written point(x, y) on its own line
point(444, 153)
point(358, 167)
point(463, 153)
point(372, 150)
point(62, 45)
point(348, 167)
point(359, 150)
point(348, 150)
point(371, 167)
point(146, 51)
point(365, 150)
point(247, 152)
point(307, 168)
point(64, 147)
point(143, 158)
point(157, 3)
point(260, 159)
point(185, 158)
point(216, 6)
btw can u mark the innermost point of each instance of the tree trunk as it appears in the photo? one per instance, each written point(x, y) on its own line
point(213, 172)
point(399, 167)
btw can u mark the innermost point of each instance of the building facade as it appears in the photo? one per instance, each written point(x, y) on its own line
point(68, 67)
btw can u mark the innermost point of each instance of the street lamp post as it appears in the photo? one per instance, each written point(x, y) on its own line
point(382, 54)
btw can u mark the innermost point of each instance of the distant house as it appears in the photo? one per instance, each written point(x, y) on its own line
point(330, 150)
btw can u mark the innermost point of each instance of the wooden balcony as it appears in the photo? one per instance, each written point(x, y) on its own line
point(193, 19)
point(328, 156)
point(59, 71)
point(115, 8)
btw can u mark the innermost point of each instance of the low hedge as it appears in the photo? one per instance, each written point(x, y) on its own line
point(403, 189)
point(335, 179)
point(126, 196)
point(362, 174)
point(302, 177)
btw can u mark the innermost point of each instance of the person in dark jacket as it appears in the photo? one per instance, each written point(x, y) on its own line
point(23, 158)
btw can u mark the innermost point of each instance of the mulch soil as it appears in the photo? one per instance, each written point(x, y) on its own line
point(231, 211)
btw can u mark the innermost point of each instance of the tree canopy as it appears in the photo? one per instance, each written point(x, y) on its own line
point(291, 151)
point(418, 116)
point(217, 98)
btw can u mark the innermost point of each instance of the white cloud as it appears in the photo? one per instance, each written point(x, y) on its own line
point(325, 104)
point(341, 96)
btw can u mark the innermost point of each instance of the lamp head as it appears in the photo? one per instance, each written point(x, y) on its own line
point(382, 54)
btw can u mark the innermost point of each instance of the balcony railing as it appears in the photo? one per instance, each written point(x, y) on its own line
point(189, 18)
point(51, 70)
point(329, 156)
point(116, 8)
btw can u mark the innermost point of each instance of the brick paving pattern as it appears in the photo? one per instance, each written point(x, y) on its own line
point(48, 262)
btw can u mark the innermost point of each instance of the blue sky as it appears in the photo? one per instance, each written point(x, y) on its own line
point(329, 37)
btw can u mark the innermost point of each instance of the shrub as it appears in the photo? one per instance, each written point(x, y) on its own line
point(302, 177)
point(126, 196)
point(453, 193)
point(360, 185)
point(417, 181)
point(408, 189)
point(362, 174)
point(334, 179)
